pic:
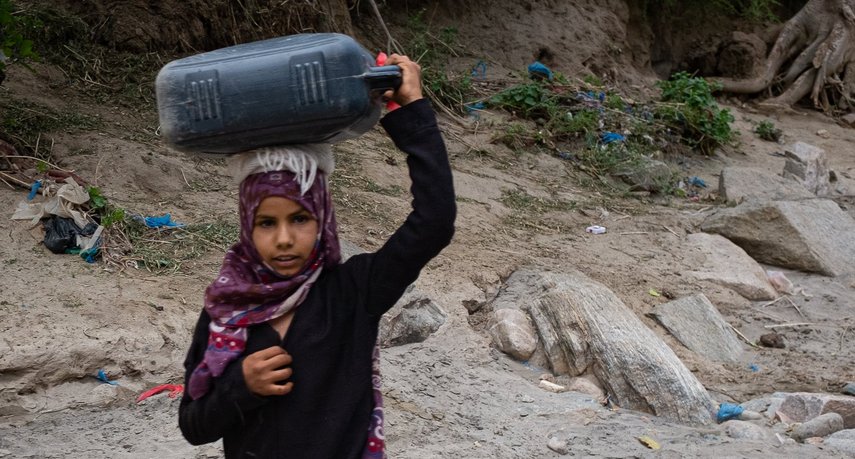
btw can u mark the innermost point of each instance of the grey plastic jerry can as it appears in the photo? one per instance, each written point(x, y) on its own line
point(306, 88)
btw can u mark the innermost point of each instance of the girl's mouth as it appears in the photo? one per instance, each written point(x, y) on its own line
point(286, 261)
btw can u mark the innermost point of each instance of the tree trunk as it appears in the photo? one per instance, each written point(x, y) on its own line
point(812, 55)
point(585, 327)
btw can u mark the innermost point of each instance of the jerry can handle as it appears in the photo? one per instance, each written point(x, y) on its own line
point(383, 78)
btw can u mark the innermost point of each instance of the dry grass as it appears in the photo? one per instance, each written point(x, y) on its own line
point(164, 250)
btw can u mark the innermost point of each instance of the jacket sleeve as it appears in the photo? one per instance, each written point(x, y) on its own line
point(223, 408)
point(430, 225)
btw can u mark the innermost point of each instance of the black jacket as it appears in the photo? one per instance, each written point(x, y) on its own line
point(333, 332)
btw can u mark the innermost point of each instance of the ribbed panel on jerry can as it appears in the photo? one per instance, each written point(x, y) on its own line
point(306, 88)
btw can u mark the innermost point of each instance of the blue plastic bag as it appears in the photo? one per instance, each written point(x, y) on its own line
point(536, 69)
point(163, 221)
point(728, 411)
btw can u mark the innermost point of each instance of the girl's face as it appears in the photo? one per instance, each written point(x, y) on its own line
point(284, 233)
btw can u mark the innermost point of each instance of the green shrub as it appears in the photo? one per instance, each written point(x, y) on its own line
point(529, 100)
point(693, 111)
point(585, 121)
point(14, 47)
point(766, 130)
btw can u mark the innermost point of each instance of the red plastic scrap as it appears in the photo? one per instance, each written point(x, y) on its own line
point(174, 390)
point(381, 60)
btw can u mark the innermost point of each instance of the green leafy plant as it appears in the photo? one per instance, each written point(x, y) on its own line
point(113, 217)
point(109, 214)
point(97, 200)
point(766, 130)
point(593, 80)
point(530, 100)
point(14, 47)
point(614, 102)
point(692, 109)
point(572, 125)
point(517, 136)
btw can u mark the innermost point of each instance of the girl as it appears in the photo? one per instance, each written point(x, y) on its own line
point(284, 361)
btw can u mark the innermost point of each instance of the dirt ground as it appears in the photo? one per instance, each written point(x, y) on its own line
point(452, 395)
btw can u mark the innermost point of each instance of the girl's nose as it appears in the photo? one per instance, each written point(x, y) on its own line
point(284, 237)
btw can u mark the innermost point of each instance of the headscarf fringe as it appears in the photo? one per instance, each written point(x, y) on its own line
point(301, 160)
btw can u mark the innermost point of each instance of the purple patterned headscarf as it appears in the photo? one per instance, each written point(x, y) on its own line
point(247, 292)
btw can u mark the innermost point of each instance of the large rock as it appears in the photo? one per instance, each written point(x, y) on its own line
point(804, 406)
point(412, 319)
point(819, 426)
point(843, 440)
point(513, 334)
point(648, 175)
point(725, 263)
point(516, 293)
point(808, 165)
point(739, 184)
point(812, 235)
point(587, 328)
point(745, 430)
point(697, 324)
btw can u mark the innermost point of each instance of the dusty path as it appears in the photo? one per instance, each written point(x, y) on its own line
point(451, 396)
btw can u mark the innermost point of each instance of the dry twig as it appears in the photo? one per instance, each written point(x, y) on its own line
point(795, 306)
point(743, 337)
point(671, 231)
point(794, 324)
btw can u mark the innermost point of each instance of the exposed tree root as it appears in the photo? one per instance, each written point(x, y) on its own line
point(813, 55)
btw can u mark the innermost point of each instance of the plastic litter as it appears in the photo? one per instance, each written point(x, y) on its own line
point(381, 60)
point(174, 391)
point(653, 292)
point(473, 109)
point(728, 411)
point(595, 229)
point(91, 254)
point(34, 190)
point(649, 442)
point(61, 234)
point(754, 367)
point(164, 220)
point(536, 70)
point(479, 71)
point(780, 282)
point(103, 378)
point(610, 137)
point(68, 197)
point(697, 181)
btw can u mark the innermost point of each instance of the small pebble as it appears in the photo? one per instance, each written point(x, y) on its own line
point(772, 340)
point(559, 446)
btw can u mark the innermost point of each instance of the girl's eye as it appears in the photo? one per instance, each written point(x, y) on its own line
point(265, 223)
point(301, 218)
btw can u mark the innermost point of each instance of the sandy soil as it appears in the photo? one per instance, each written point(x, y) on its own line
point(451, 396)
